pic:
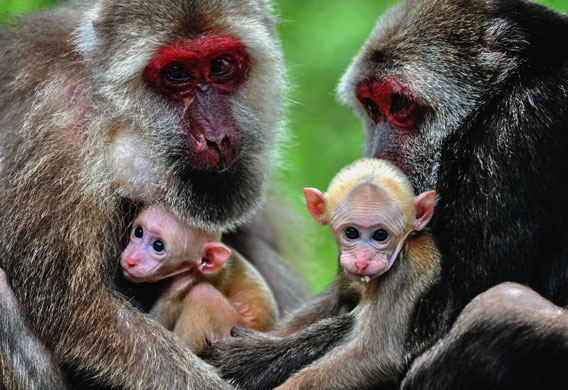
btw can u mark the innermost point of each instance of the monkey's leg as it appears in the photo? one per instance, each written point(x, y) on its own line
point(206, 317)
point(507, 338)
point(25, 363)
point(247, 291)
point(255, 360)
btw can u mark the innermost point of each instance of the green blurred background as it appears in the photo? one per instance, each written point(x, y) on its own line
point(319, 40)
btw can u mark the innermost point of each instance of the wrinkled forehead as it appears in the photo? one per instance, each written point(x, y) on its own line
point(158, 220)
point(368, 205)
point(106, 35)
point(175, 233)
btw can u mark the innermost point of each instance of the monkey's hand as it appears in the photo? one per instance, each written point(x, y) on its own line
point(246, 312)
point(255, 360)
point(136, 338)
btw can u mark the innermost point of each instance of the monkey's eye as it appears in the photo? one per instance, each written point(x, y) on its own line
point(371, 107)
point(177, 73)
point(351, 233)
point(138, 232)
point(220, 67)
point(398, 102)
point(159, 246)
point(380, 235)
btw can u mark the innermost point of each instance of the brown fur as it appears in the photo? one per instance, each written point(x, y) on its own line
point(71, 80)
point(16, 341)
point(490, 81)
point(239, 284)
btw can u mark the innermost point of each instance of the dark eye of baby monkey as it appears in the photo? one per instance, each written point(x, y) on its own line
point(159, 246)
point(138, 232)
point(380, 235)
point(351, 233)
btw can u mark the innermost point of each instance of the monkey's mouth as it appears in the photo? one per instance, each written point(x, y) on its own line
point(212, 150)
point(132, 277)
point(395, 157)
point(364, 279)
point(209, 156)
point(179, 273)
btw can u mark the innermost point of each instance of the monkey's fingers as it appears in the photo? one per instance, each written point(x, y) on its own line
point(247, 313)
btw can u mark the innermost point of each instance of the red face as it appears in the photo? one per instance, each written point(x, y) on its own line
point(199, 76)
point(396, 116)
point(389, 101)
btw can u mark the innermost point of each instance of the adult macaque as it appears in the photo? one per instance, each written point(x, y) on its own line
point(209, 290)
point(377, 223)
point(468, 98)
point(462, 96)
point(191, 89)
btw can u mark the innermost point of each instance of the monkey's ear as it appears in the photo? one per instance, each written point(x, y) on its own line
point(315, 201)
point(424, 207)
point(213, 258)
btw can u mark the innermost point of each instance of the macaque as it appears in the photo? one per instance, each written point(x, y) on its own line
point(463, 99)
point(468, 98)
point(379, 226)
point(109, 105)
point(209, 290)
point(373, 214)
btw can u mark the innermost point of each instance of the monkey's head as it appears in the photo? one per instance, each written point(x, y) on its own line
point(162, 246)
point(425, 70)
point(197, 86)
point(371, 209)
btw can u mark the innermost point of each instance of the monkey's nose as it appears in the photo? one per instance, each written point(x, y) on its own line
point(213, 148)
point(361, 265)
point(217, 137)
point(131, 261)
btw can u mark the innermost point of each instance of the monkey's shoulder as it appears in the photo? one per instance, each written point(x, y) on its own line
point(236, 269)
point(423, 252)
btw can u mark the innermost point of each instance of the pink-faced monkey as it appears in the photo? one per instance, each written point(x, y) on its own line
point(379, 225)
point(209, 290)
point(371, 209)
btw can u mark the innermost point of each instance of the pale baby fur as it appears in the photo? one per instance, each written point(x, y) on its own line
point(366, 171)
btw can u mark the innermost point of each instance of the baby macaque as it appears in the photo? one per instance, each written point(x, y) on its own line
point(371, 209)
point(378, 224)
point(210, 291)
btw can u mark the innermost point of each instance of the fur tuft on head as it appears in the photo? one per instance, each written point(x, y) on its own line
point(375, 172)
